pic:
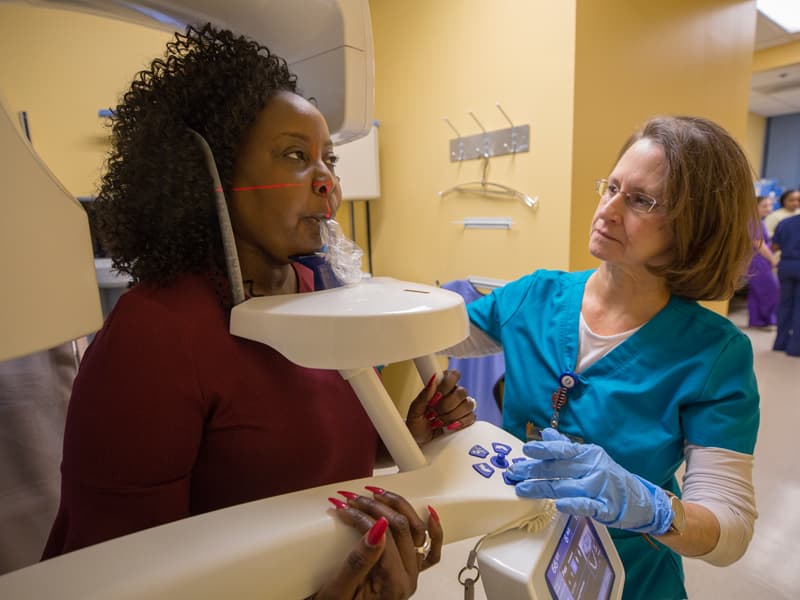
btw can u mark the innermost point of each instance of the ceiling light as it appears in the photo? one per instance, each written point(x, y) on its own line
point(785, 13)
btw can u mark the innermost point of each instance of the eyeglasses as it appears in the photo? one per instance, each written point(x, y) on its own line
point(640, 203)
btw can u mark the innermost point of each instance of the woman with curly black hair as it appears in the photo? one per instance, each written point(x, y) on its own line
point(170, 415)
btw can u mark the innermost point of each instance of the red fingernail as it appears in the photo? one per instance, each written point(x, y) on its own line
point(375, 490)
point(348, 495)
point(431, 414)
point(436, 423)
point(337, 503)
point(455, 425)
point(376, 532)
point(430, 381)
point(434, 514)
point(435, 400)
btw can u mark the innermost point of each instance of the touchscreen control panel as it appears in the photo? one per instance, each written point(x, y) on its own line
point(579, 567)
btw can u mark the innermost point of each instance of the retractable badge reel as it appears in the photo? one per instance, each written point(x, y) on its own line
point(559, 398)
point(567, 382)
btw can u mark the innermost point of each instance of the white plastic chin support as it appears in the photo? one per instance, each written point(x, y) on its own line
point(285, 547)
point(377, 322)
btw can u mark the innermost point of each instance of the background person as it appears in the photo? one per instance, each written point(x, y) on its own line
point(787, 240)
point(762, 284)
point(626, 362)
point(789, 205)
point(170, 414)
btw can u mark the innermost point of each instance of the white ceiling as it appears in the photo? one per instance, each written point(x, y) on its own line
point(777, 91)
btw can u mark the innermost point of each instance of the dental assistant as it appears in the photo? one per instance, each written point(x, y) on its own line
point(616, 376)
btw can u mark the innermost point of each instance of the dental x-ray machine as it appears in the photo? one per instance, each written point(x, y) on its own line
point(285, 547)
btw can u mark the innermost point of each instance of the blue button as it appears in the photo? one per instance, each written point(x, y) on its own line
point(499, 461)
point(484, 469)
point(479, 451)
point(501, 448)
point(507, 480)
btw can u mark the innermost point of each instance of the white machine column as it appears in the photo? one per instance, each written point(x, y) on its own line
point(383, 414)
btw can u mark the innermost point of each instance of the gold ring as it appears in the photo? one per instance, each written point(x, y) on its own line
point(425, 549)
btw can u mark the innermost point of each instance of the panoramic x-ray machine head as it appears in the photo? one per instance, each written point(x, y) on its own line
point(285, 547)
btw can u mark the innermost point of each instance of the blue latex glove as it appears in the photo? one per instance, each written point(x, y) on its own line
point(585, 481)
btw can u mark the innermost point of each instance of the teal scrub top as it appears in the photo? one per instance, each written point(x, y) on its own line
point(686, 376)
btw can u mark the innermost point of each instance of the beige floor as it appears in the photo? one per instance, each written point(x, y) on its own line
point(770, 570)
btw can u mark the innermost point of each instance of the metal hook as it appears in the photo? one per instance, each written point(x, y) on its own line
point(485, 167)
point(460, 155)
point(471, 114)
point(513, 131)
point(485, 142)
point(500, 108)
point(446, 120)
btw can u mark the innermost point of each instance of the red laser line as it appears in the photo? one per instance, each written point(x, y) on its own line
point(262, 187)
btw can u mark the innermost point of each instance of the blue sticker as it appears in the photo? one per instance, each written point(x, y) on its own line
point(484, 469)
point(501, 448)
point(479, 451)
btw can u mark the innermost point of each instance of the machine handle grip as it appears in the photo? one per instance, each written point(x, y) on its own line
point(427, 367)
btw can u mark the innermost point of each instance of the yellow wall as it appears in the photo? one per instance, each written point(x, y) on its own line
point(777, 56)
point(445, 58)
point(754, 141)
point(61, 67)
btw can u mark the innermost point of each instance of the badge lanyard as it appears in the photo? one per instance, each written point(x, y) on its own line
point(559, 398)
point(566, 382)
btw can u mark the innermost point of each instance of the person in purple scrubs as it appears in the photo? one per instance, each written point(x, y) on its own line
point(762, 283)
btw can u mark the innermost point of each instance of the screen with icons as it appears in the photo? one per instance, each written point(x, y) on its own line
point(579, 568)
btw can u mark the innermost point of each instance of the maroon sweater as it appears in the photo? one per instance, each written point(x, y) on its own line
point(172, 416)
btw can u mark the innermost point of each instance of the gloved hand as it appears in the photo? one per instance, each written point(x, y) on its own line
point(585, 481)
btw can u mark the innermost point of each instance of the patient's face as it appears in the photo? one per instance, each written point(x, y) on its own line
point(284, 181)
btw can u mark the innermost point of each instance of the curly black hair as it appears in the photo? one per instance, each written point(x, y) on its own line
point(785, 195)
point(154, 212)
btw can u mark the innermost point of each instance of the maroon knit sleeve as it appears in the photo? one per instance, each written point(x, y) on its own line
point(133, 429)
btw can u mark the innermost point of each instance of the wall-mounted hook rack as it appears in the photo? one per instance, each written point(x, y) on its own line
point(486, 144)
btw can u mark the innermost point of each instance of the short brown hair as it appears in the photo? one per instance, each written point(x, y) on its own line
point(710, 197)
